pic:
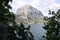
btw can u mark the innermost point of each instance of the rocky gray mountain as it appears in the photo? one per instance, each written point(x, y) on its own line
point(28, 14)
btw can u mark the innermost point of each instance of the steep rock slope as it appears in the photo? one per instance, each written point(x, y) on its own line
point(28, 14)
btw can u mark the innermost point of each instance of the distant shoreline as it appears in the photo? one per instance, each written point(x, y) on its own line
point(32, 22)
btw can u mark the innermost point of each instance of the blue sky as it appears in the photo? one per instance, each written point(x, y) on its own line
point(42, 5)
point(58, 1)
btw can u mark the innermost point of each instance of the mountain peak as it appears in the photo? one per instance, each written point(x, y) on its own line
point(29, 14)
point(26, 6)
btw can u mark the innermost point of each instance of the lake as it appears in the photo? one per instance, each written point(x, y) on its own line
point(37, 30)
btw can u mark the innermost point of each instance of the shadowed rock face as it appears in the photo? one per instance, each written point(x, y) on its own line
point(28, 14)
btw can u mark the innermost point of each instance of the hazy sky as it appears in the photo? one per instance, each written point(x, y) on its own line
point(42, 5)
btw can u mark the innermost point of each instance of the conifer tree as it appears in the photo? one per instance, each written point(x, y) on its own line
point(4, 19)
point(8, 26)
point(52, 27)
point(24, 33)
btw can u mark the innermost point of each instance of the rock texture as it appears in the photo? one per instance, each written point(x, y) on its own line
point(28, 14)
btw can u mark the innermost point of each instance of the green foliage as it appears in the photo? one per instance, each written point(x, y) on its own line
point(53, 27)
point(21, 31)
point(11, 35)
point(4, 6)
point(8, 28)
point(4, 9)
point(4, 19)
point(51, 12)
point(46, 18)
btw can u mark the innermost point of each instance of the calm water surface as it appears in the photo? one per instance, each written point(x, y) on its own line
point(37, 30)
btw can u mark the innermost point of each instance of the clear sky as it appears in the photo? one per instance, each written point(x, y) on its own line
point(42, 5)
point(58, 1)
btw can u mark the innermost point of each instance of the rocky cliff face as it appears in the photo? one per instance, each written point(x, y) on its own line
point(28, 14)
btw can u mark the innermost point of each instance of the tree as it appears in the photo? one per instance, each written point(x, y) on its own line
point(46, 18)
point(11, 33)
point(24, 33)
point(20, 32)
point(52, 27)
point(4, 9)
point(6, 17)
point(8, 26)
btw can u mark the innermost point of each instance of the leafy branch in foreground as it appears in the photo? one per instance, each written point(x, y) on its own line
point(20, 32)
point(52, 27)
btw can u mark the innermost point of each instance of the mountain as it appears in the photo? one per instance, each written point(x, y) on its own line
point(28, 14)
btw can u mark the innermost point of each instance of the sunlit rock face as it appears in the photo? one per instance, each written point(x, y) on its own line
point(28, 14)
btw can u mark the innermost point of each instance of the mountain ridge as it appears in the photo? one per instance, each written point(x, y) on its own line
point(28, 14)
